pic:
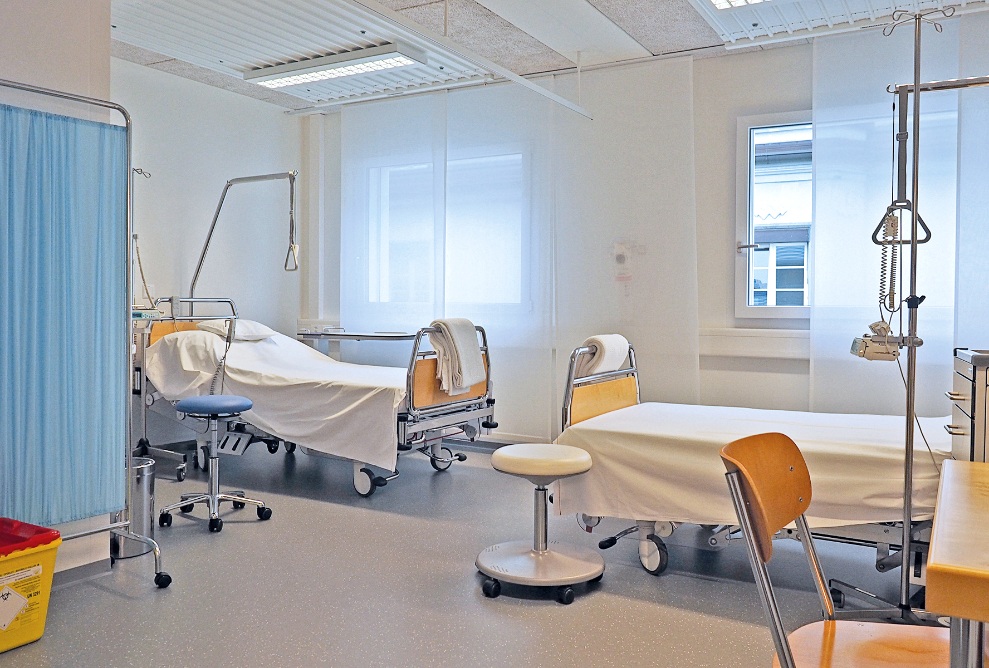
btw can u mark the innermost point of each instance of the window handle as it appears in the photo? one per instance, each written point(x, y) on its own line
point(739, 247)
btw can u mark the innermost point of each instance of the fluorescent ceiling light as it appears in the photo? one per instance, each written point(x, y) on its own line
point(728, 4)
point(363, 61)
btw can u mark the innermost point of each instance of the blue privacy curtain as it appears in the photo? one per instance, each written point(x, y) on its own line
point(63, 317)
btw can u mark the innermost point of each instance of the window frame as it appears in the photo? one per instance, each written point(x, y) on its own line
point(744, 232)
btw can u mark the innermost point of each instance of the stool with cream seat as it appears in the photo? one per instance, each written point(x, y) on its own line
point(541, 563)
point(213, 408)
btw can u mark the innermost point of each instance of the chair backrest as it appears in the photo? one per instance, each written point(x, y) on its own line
point(774, 481)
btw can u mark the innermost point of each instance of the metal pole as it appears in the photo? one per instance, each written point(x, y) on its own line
point(539, 535)
point(912, 303)
point(232, 182)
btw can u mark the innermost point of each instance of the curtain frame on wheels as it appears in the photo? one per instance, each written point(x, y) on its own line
point(121, 528)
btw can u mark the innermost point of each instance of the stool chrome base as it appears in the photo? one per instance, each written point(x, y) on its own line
point(560, 566)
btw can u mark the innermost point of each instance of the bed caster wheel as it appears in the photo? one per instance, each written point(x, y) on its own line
point(215, 525)
point(838, 598)
point(364, 482)
point(272, 447)
point(180, 473)
point(564, 595)
point(264, 513)
point(187, 508)
point(656, 557)
point(289, 447)
point(445, 453)
point(491, 588)
point(162, 580)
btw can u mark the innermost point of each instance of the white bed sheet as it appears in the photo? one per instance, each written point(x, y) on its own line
point(299, 394)
point(661, 462)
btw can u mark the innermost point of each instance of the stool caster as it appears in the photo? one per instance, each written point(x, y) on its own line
point(162, 580)
point(238, 505)
point(187, 508)
point(165, 520)
point(565, 595)
point(215, 525)
point(491, 588)
point(264, 513)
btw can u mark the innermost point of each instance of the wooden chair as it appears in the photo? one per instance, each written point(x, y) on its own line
point(770, 487)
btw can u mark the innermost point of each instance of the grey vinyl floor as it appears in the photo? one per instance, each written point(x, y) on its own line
point(333, 579)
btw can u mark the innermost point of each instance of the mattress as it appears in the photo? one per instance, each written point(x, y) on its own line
point(655, 461)
point(299, 394)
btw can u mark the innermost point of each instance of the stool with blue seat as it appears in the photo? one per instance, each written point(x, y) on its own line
point(213, 408)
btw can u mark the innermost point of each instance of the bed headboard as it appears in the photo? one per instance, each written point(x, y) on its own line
point(592, 400)
point(426, 390)
point(600, 393)
point(166, 327)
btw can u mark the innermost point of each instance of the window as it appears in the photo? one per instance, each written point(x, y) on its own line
point(775, 213)
point(480, 241)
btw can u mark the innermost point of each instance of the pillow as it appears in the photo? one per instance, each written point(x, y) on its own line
point(245, 330)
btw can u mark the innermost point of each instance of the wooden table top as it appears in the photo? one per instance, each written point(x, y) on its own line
point(958, 561)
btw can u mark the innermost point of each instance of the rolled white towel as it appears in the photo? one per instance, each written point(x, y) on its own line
point(610, 353)
point(459, 362)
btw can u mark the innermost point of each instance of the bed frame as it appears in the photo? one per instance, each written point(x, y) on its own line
point(430, 414)
point(590, 396)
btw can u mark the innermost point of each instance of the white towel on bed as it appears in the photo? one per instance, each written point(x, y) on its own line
point(459, 362)
point(609, 355)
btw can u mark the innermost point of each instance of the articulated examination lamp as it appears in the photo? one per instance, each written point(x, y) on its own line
point(362, 61)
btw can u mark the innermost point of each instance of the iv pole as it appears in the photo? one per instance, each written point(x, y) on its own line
point(910, 341)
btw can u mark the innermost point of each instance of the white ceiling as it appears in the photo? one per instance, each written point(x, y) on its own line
point(466, 41)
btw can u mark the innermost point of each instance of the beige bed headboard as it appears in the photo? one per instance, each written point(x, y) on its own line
point(599, 398)
point(426, 387)
point(160, 329)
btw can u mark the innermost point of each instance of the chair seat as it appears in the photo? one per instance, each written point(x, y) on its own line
point(854, 644)
point(541, 459)
point(214, 404)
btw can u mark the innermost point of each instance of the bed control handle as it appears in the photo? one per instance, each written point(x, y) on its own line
point(607, 542)
point(954, 429)
point(489, 424)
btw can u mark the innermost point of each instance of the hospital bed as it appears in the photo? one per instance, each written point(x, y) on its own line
point(362, 413)
point(658, 464)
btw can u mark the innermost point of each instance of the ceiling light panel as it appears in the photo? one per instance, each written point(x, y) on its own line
point(742, 23)
point(237, 37)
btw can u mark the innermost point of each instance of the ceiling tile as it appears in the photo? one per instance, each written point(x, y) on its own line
point(662, 27)
point(487, 34)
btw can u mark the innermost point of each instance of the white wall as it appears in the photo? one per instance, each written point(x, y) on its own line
point(741, 368)
point(659, 154)
point(62, 45)
point(193, 138)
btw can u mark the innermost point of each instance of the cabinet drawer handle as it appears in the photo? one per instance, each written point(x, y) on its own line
point(955, 396)
point(954, 430)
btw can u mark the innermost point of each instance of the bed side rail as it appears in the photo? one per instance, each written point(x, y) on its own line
point(176, 322)
point(422, 387)
point(589, 396)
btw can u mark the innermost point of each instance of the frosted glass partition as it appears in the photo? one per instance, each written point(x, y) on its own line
point(972, 291)
point(854, 175)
